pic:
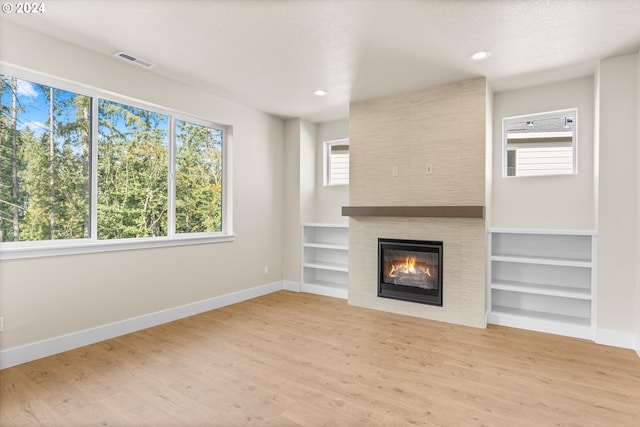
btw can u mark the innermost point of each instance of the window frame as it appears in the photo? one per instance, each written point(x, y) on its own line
point(43, 248)
point(326, 159)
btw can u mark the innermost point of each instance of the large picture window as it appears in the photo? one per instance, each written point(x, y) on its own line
point(76, 167)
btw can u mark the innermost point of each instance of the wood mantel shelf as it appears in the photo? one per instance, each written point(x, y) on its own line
point(416, 211)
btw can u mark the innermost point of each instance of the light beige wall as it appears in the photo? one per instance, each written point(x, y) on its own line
point(638, 221)
point(47, 297)
point(618, 195)
point(299, 188)
point(306, 200)
point(488, 187)
point(549, 202)
point(308, 184)
point(444, 126)
point(329, 200)
point(291, 209)
point(489, 150)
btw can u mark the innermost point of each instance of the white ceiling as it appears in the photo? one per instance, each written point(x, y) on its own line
point(272, 55)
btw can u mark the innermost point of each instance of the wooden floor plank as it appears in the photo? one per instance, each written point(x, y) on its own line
point(289, 359)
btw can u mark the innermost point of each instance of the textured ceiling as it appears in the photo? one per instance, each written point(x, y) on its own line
point(272, 55)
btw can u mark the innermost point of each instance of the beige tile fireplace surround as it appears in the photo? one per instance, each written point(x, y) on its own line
point(394, 142)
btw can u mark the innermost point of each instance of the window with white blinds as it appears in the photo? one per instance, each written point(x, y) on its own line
point(541, 144)
point(337, 162)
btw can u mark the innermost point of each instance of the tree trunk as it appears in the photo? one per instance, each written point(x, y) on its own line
point(14, 159)
point(85, 168)
point(52, 196)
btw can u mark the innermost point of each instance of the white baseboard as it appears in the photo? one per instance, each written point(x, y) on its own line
point(540, 325)
point(616, 339)
point(328, 291)
point(37, 350)
point(288, 285)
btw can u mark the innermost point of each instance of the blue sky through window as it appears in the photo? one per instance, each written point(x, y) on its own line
point(33, 106)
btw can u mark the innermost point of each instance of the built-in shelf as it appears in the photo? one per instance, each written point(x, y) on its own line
point(334, 266)
point(416, 211)
point(542, 260)
point(325, 246)
point(541, 289)
point(325, 269)
point(558, 324)
point(543, 316)
point(543, 280)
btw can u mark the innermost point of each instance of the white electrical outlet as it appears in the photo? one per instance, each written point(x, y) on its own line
point(1, 324)
point(266, 270)
point(429, 170)
point(394, 171)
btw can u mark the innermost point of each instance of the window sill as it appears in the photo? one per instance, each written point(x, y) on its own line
point(86, 246)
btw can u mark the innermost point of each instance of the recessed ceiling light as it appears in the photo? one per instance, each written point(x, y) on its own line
point(480, 55)
point(321, 92)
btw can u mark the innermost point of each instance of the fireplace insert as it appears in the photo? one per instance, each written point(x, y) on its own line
point(410, 270)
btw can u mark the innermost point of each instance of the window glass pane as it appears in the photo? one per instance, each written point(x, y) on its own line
point(541, 144)
point(544, 161)
point(44, 162)
point(511, 162)
point(132, 171)
point(198, 178)
point(338, 164)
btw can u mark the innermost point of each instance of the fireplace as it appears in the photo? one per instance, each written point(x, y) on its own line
point(410, 270)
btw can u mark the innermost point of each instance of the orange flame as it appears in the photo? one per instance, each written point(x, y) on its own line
point(408, 267)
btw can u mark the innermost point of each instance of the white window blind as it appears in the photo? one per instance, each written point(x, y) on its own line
point(337, 167)
point(544, 161)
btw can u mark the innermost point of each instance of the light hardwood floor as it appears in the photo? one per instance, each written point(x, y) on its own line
point(289, 359)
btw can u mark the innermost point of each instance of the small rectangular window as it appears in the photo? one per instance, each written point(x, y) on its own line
point(541, 144)
point(337, 162)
